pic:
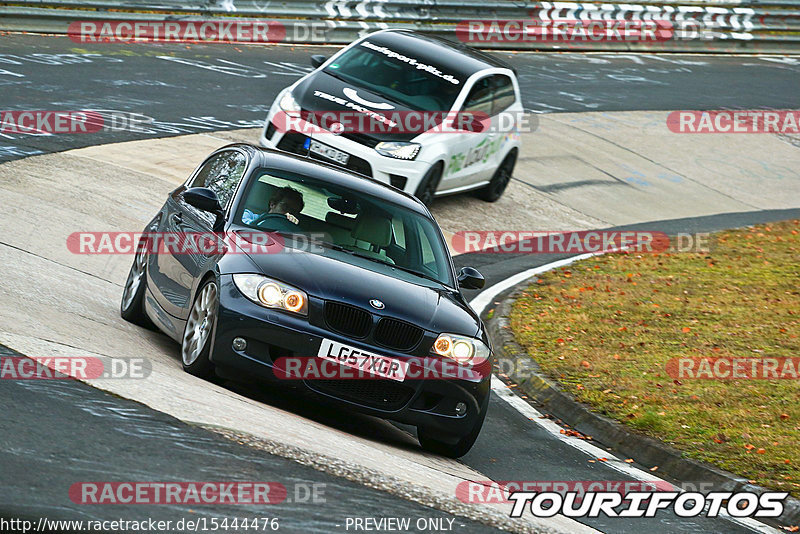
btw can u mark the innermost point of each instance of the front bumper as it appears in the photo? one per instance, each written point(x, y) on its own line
point(270, 335)
point(403, 174)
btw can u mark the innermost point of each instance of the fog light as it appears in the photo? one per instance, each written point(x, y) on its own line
point(239, 343)
point(461, 408)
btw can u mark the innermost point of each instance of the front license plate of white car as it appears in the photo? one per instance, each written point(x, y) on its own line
point(327, 152)
point(366, 362)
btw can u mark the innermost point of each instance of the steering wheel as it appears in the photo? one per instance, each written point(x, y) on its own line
point(263, 217)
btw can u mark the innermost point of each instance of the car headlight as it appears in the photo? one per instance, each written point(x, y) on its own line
point(397, 149)
point(271, 293)
point(288, 104)
point(462, 349)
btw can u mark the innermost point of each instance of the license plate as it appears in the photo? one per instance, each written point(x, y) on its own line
point(327, 151)
point(367, 362)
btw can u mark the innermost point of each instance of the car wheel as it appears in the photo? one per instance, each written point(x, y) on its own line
point(430, 182)
point(495, 188)
point(431, 442)
point(131, 307)
point(197, 336)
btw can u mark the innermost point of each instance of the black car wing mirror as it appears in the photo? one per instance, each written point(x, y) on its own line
point(317, 60)
point(205, 199)
point(470, 278)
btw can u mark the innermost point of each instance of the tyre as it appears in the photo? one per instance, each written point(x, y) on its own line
point(131, 307)
point(431, 442)
point(430, 182)
point(495, 188)
point(199, 331)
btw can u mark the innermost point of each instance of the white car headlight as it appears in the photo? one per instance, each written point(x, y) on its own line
point(462, 349)
point(398, 149)
point(289, 104)
point(271, 293)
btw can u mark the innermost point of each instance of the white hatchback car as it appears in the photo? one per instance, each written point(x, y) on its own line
point(429, 116)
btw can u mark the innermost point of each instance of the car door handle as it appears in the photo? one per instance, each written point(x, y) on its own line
point(177, 218)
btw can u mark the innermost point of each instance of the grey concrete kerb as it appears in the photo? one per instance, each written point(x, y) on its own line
point(549, 398)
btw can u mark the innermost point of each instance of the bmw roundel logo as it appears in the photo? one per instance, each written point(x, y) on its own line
point(337, 128)
point(375, 303)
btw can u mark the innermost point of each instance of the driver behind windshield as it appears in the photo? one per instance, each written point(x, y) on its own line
point(281, 215)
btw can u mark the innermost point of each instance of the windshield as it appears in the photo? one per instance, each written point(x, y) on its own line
point(400, 78)
point(345, 224)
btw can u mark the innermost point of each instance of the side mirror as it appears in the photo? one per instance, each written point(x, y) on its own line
point(470, 278)
point(203, 199)
point(317, 60)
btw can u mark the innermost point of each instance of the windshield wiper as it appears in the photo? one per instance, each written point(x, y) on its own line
point(340, 248)
point(335, 75)
point(417, 273)
point(380, 94)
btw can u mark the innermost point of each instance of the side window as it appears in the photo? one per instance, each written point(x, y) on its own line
point(504, 94)
point(222, 174)
point(480, 97)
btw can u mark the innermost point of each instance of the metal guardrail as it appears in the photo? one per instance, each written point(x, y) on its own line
point(726, 26)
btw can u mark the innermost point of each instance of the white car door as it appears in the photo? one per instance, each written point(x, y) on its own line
point(504, 103)
point(465, 164)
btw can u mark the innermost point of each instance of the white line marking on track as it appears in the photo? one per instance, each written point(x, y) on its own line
point(481, 302)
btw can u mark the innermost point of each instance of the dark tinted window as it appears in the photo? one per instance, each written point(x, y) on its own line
point(503, 93)
point(491, 95)
point(480, 97)
point(222, 174)
point(347, 225)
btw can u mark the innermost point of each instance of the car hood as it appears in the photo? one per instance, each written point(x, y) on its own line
point(329, 276)
point(314, 95)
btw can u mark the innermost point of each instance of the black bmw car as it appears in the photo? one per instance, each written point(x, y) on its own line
point(300, 264)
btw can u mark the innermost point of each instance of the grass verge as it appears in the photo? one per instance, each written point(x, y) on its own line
point(605, 329)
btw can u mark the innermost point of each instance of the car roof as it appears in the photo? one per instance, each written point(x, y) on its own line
point(451, 57)
point(277, 159)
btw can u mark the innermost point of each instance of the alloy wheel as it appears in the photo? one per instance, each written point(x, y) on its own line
point(199, 324)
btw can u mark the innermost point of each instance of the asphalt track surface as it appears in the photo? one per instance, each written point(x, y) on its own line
point(213, 87)
point(123, 440)
point(189, 88)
